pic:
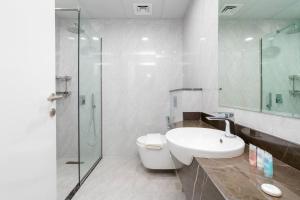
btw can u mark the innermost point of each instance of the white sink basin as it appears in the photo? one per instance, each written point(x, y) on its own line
point(186, 143)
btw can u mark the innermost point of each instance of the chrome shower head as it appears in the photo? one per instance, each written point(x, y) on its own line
point(74, 29)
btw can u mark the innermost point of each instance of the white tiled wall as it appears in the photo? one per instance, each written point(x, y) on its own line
point(200, 47)
point(186, 101)
point(176, 106)
point(192, 101)
point(142, 61)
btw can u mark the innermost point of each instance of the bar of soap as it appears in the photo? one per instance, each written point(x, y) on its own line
point(271, 190)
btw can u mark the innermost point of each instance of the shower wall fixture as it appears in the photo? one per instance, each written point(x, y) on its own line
point(64, 80)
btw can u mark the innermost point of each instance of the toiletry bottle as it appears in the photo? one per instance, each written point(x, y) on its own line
point(252, 155)
point(268, 165)
point(260, 159)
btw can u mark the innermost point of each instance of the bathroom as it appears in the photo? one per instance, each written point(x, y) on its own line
point(150, 99)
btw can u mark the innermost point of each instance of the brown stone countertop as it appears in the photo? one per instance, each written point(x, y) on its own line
point(236, 179)
point(192, 123)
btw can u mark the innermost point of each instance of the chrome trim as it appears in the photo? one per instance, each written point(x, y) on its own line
point(68, 9)
point(186, 89)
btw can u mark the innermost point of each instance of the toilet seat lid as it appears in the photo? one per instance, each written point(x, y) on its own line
point(142, 140)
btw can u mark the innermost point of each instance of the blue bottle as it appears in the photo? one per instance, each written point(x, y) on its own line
point(268, 165)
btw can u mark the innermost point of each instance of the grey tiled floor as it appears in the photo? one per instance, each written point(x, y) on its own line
point(67, 177)
point(119, 178)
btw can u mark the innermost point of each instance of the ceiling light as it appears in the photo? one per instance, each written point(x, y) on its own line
point(248, 39)
point(145, 38)
point(148, 63)
point(145, 53)
point(83, 38)
point(71, 38)
point(95, 38)
point(160, 56)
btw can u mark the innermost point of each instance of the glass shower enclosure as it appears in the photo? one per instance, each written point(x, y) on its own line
point(280, 60)
point(90, 98)
point(79, 103)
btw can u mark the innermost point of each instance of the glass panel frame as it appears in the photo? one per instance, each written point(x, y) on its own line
point(69, 14)
point(90, 99)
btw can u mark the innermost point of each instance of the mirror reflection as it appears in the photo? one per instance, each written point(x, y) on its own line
point(259, 55)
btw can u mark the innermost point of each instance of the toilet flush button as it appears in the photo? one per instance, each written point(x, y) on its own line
point(271, 190)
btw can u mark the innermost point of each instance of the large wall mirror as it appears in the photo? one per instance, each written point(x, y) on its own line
point(259, 55)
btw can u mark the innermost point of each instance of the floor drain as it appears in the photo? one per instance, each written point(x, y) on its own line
point(73, 163)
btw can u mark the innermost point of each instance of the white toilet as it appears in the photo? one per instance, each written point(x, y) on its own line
point(156, 156)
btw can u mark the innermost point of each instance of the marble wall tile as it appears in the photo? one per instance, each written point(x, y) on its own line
point(176, 106)
point(210, 100)
point(200, 47)
point(67, 108)
point(200, 51)
point(186, 101)
point(142, 61)
point(192, 101)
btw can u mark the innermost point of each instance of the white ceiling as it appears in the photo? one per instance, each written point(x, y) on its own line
point(265, 9)
point(161, 9)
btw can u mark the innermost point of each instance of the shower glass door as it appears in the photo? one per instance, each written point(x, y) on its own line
point(66, 36)
point(90, 99)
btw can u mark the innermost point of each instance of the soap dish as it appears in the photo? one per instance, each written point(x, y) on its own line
point(271, 190)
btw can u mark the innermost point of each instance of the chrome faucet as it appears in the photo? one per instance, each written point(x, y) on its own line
point(224, 116)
